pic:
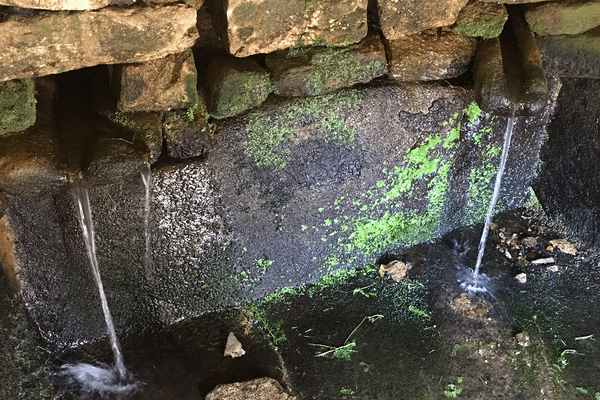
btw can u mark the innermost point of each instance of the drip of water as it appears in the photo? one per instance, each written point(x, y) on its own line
point(146, 173)
point(84, 213)
point(475, 284)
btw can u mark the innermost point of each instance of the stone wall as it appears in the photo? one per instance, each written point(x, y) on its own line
point(288, 140)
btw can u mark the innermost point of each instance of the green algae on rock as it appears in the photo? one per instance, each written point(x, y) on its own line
point(17, 105)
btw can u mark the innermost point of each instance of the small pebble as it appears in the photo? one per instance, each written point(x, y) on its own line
point(529, 241)
point(552, 268)
point(564, 246)
point(521, 278)
point(523, 339)
point(548, 260)
point(550, 248)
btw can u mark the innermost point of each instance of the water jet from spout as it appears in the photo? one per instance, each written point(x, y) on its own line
point(475, 284)
point(84, 214)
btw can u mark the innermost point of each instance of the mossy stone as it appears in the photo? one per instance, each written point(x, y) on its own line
point(17, 105)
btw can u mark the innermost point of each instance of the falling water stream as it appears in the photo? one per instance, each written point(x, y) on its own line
point(476, 283)
point(97, 378)
point(146, 173)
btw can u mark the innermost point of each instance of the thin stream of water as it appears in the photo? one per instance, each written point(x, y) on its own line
point(494, 199)
point(84, 213)
point(146, 173)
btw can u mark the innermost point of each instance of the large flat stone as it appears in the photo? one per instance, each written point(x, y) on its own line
point(54, 42)
point(321, 70)
point(265, 26)
point(403, 17)
point(290, 192)
point(563, 18)
point(158, 85)
point(430, 56)
point(57, 5)
point(573, 56)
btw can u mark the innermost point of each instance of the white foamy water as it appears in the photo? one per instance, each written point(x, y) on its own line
point(474, 283)
point(99, 379)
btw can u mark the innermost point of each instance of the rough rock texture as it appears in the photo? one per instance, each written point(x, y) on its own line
point(576, 56)
point(264, 26)
point(563, 18)
point(567, 185)
point(17, 105)
point(321, 70)
point(335, 22)
point(259, 389)
point(402, 17)
point(235, 86)
point(57, 5)
point(187, 134)
point(53, 42)
point(289, 192)
point(480, 19)
point(28, 161)
point(430, 55)
point(158, 85)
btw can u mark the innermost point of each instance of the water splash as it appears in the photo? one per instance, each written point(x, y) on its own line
point(97, 376)
point(477, 282)
point(146, 173)
point(101, 379)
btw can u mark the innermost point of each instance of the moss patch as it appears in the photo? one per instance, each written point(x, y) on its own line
point(17, 105)
point(268, 135)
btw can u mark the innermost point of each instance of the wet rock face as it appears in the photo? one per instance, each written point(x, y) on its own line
point(45, 43)
point(567, 185)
